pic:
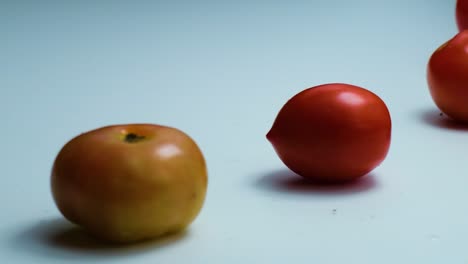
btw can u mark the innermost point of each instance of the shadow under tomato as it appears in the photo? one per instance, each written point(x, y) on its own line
point(59, 238)
point(436, 118)
point(287, 181)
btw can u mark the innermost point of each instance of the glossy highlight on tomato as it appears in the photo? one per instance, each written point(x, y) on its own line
point(462, 14)
point(447, 76)
point(332, 133)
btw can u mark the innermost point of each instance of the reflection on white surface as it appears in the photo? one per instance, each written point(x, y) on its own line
point(168, 151)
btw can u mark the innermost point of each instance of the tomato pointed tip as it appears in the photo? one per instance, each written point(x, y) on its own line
point(269, 136)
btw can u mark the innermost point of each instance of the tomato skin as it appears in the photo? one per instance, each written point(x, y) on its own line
point(130, 182)
point(332, 133)
point(462, 14)
point(447, 76)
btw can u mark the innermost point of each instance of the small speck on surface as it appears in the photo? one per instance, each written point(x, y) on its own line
point(434, 238)
point(334, 211)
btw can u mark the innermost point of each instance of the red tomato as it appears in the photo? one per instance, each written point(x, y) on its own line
point(447, 75)
point(462, 14)
point(332, 132)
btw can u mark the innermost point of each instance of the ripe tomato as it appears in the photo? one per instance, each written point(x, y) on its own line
point(332, 132)
point(462, 14)
point(447, 76)
point(125, 183)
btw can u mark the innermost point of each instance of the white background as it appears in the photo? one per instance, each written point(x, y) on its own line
point(220, 71)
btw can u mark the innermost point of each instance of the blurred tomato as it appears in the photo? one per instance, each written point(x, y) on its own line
point(332, 132)
point(462, 14)
point(447, 75)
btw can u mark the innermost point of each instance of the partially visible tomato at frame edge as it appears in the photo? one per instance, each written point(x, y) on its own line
point(332, 133)
point(447, 77)
point(461, 13)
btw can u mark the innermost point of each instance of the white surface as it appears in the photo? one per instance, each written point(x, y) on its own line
point(221, 72)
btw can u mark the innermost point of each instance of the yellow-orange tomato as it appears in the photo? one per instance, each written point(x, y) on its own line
point(447, 76)
point(332, 133)
point(125, 183)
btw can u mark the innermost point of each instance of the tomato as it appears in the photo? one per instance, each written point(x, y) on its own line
point(447, 76)
point(462, 14)
point(130, 182)
point(332, 133)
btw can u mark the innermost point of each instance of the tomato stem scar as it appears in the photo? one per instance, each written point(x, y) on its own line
point(133, 138)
